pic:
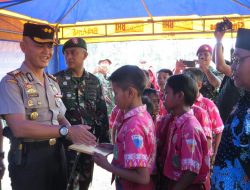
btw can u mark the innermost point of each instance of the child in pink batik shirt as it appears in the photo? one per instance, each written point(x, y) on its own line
point(184, 151)
point(212, 110)
point(134, 133)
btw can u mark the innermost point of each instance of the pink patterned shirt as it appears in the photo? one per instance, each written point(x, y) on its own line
point(213, 113)
point(203, 118)
point(186, 148)
point(135, 143)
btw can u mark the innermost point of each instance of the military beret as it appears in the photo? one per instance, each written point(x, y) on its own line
point(204, 48)
point(243, 39)
point(75, 42)
point(39, 33)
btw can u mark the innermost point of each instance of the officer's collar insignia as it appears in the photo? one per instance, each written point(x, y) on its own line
point(30, 77)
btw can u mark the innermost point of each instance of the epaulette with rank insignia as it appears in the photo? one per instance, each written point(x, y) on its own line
point(15, 73)
point(52, 77)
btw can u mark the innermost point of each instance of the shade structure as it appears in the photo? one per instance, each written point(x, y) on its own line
point(119, 20)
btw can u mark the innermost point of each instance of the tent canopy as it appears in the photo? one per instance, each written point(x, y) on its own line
point(59, 11)
point(119, 20)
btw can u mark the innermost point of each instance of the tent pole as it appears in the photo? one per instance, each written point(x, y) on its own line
point(236, 1)
point(14, 4)
point(67, 12)
point(57, 30)
point(146, 9)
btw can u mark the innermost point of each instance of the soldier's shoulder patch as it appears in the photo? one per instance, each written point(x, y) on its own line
point(52, 77)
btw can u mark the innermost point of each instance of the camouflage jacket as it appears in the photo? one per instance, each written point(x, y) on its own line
point(207, 89)
point(85, 102)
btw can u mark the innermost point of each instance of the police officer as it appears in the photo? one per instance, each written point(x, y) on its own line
point(32, 106)
point(85, 103)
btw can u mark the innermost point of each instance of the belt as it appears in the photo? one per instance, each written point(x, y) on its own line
point(49, 142)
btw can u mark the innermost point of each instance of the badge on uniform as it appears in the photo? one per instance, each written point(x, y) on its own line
point(137, 140)
point(39, 103)
point(30, 103)
point(12, 81)
point(28, 86)
point(32, 92)
point(54, 89)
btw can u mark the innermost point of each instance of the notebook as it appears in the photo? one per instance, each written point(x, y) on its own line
point(82, 148)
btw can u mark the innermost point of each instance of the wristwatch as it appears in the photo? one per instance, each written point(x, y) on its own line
point(63, 131)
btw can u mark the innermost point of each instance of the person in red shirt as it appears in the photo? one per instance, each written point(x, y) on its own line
point(134, 133)
point(184, 152)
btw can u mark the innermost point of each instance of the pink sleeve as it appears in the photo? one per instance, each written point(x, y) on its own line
point(205, 122)
point(135, 154)
point(216, 121)
point(191, 148)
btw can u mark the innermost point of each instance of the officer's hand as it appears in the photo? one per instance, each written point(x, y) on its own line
point(79, 134)
point(2, 168)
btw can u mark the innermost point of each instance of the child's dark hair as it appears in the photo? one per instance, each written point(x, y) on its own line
point(168, 71)
point(129, 76)
point(185, 84)
point(149, 91)
point(194, 73)
point(150, 106)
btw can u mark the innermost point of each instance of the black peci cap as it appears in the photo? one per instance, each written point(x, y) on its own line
point(243, 39)
point(39, 33)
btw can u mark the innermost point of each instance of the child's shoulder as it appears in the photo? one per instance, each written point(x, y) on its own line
point(140, 122)
point(208, 101)
point(191, 122)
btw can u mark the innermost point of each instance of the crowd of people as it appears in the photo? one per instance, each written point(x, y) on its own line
point(184, 129)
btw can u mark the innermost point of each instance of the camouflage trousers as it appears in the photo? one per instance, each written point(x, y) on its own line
point(83, 174)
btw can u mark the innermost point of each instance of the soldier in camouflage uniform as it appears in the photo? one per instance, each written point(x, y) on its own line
point(83, 98)
point(102, 72)
point(212, 78)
